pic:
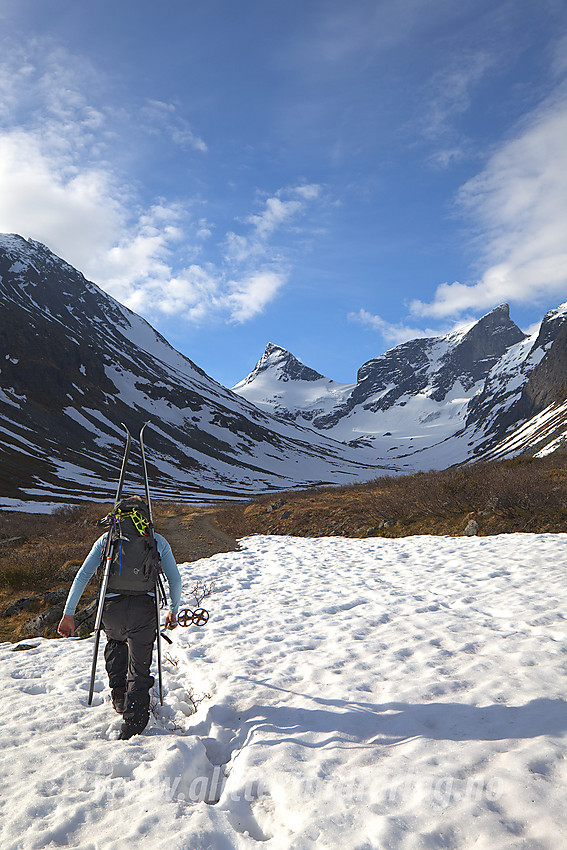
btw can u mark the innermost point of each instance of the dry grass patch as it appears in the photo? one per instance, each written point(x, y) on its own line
point(507, 496)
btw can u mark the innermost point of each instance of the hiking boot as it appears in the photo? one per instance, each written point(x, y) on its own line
point(118, 699)
point(136, 714)
point(133, 727)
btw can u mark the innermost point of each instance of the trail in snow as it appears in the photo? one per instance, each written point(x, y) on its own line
point(404, 693)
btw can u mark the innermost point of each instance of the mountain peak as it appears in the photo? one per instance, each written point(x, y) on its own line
point(15, 247)
point(503, 308)
point(272, 348)
point(498, 316)
point(14, 243)
point(490, 336)
point(282, 366)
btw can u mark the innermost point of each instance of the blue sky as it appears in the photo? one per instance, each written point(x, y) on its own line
point(333, 177)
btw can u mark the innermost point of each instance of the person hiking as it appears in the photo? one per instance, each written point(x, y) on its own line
point(129, 616)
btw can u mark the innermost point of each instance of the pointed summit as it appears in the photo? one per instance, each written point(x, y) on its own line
point(282, 366)
point(486, 340)
point(282, 384)
point(498, 323)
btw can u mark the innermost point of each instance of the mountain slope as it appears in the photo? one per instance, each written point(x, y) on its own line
point(533, 410)
point(75, 364)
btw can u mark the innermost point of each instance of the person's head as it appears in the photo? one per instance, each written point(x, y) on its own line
point(126, 506)
point(134, 503)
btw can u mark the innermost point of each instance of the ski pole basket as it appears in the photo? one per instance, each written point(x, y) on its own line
point(198, 617)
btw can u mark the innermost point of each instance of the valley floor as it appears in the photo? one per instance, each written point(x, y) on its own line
point(379, 693)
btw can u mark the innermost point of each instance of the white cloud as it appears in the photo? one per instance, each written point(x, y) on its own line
point(279, 210)
point(162, 117)
point(450, 93)
point(393, 333)
point(205, 229)
point(195, 293)
point(72, 210)
point(559, 63)
point(83, 215)
point(275, 214)
point(344, 33)
point(519, 206)
point(251, 295)
point(445, 157)
point(201, 293)
point(89, 214)
point(446, 97)
point(308, 191)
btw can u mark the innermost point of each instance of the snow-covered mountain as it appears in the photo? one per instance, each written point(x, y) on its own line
point(430, 402)
point(282, 384)
point(74, 364)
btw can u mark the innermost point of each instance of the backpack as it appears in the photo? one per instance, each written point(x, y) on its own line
point(134, 568)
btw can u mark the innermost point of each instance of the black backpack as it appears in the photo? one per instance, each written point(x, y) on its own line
point(134, 568)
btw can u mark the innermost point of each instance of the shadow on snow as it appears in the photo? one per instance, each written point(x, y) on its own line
point(351, 724)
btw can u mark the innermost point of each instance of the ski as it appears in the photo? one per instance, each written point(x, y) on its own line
point(108, 553)
point(159, 585)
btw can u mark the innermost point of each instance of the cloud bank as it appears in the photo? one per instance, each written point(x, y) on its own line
point(518, 204)
point(64, 181)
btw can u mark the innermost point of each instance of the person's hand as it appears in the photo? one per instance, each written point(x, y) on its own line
point(170, 621)
point(66, 627)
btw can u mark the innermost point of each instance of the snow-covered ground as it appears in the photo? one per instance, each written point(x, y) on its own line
point(360, 694)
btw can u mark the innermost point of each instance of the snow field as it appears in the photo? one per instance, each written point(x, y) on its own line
point(354, 694)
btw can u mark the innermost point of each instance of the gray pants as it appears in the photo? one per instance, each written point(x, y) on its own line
point(131, 627)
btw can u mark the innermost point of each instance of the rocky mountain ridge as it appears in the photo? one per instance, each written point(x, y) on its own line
point(438, 401)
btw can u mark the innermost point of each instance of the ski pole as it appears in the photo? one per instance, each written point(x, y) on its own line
point(154, 545)
point(108, 553)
